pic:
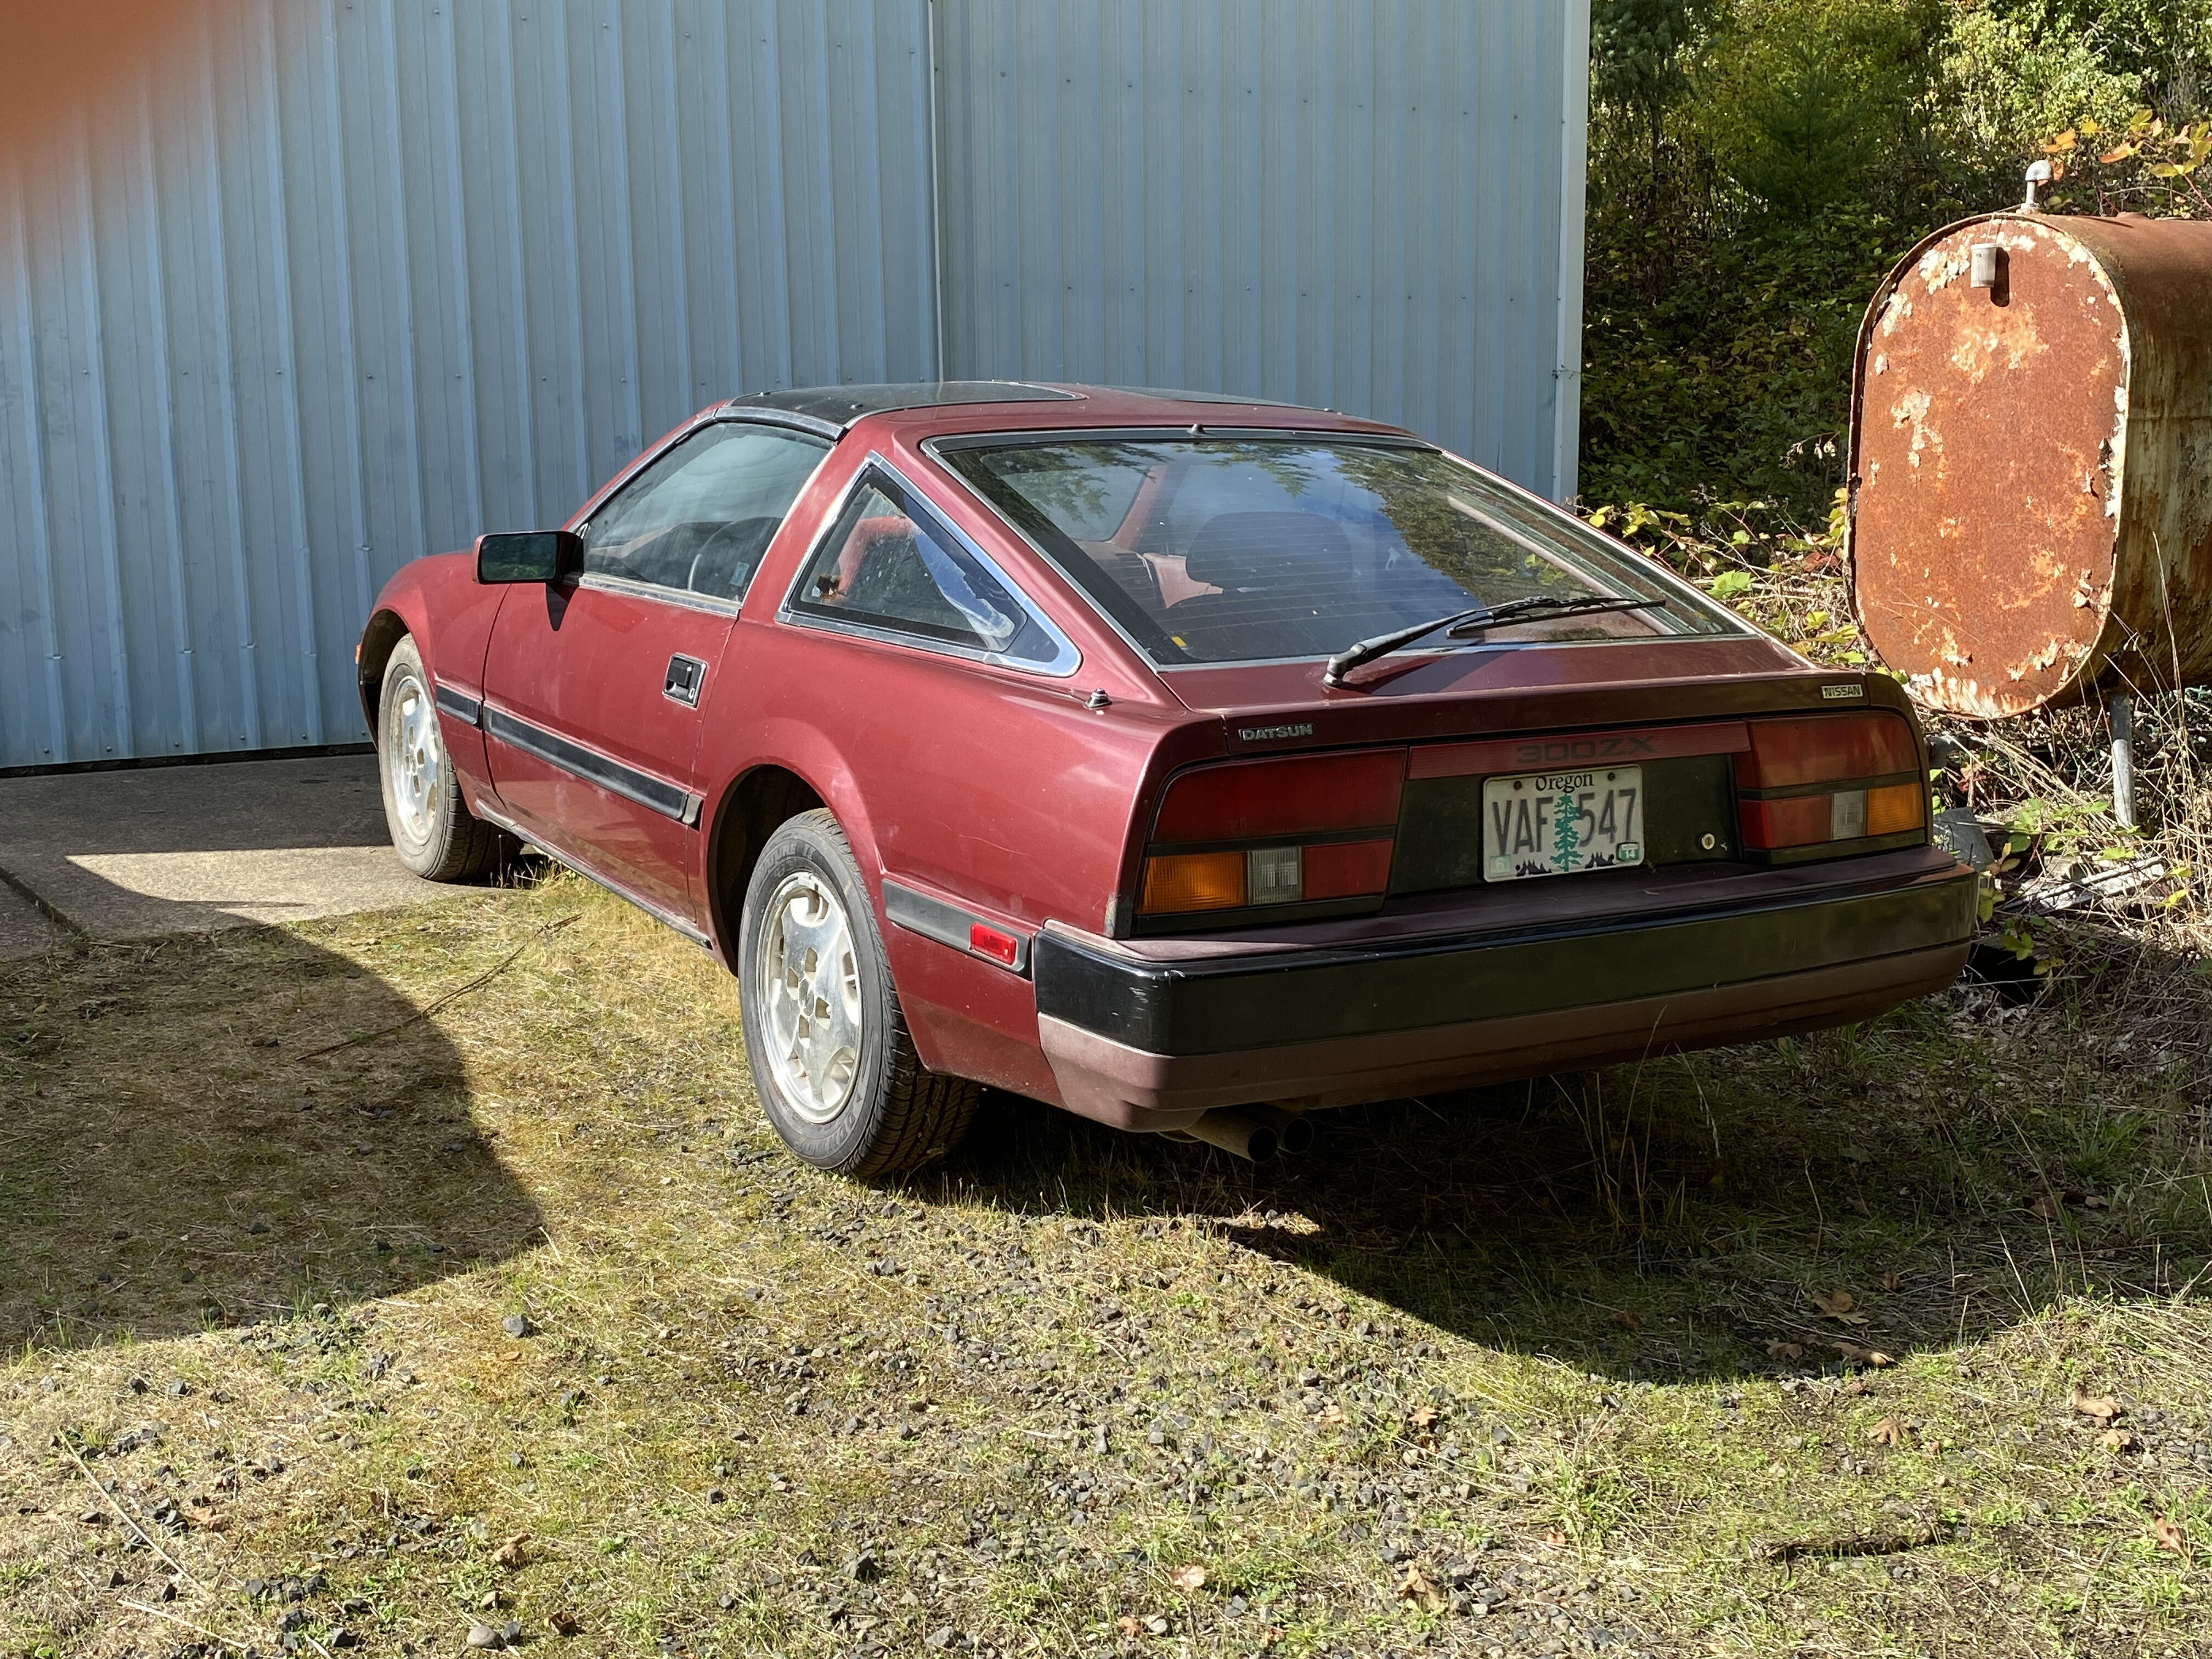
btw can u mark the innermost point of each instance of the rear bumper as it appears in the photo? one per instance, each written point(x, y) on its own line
point(1146, 1043)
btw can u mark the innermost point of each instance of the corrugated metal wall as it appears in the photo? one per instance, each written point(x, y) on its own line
point(1374, 205)
point(324, 284)
point(310, 287)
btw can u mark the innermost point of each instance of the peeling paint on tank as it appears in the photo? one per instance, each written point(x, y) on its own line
point(2034, 523)
point(1912, 409)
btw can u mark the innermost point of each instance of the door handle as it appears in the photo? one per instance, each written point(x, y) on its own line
point(685, 676)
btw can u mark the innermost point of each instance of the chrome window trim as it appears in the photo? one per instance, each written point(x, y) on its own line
point(798, 425)
point(1066, 659)
point(1732, 625)
point(681, 597)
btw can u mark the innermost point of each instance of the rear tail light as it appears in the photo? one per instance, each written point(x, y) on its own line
point(1824, 779)
point(1252, 834)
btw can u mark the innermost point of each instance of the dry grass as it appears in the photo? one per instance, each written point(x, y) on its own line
point(1513, 1372)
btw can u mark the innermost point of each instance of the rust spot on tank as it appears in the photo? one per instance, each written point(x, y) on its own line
point(2031, 508)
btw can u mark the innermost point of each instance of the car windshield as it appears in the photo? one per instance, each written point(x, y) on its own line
point(1221, 550)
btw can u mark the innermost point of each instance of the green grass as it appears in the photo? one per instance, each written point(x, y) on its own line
point(1480, 1364)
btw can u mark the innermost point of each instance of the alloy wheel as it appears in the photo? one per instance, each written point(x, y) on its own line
point(811, 982)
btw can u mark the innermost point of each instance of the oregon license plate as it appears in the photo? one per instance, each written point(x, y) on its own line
point(1558, 824)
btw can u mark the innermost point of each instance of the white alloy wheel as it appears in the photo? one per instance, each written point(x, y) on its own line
point(813, 1016)
point(414, 758)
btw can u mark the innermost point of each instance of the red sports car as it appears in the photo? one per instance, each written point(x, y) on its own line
point(1186, 761)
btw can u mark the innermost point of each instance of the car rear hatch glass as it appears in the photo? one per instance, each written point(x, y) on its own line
point(1259, 547)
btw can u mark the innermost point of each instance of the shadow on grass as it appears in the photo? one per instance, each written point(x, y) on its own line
point(171, 1159)
point(1954, 1168)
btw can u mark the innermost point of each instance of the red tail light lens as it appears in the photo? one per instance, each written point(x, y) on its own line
point(1246, 800)
point(1825, 748)
point(1828, 780)
point(1285, 823)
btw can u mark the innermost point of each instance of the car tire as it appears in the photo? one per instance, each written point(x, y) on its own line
point(432, 829)
point(832, 1061)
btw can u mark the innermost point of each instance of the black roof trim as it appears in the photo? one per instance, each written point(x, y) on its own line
point(842, 405)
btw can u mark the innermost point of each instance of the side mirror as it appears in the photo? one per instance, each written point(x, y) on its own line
point(529, 556)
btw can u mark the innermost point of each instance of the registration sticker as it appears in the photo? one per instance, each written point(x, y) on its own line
point(1561, 823)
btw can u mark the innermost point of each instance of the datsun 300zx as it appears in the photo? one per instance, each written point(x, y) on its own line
point(1186, 762)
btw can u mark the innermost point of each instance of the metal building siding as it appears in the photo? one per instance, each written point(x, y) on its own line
point(349, 280)
point(1370, 204)
point(326, 284)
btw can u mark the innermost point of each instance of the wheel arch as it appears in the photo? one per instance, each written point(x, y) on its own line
point(764, 796)
point(379, 640)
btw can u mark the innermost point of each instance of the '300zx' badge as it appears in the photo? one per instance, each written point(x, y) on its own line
point(1263, 733)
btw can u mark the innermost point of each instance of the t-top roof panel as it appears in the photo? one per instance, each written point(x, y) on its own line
point(844, 404)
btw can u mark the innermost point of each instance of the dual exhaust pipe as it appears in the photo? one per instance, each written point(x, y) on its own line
point(1256, 1132)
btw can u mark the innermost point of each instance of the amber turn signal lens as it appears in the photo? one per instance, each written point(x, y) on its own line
point(1894, 807)
point(1193, 881)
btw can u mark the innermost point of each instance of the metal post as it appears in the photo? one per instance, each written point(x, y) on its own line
point(2120, 719)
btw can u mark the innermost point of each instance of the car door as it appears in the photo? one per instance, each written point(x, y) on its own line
point(592, 688)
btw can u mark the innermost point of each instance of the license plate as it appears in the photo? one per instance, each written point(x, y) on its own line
point(1560, 823)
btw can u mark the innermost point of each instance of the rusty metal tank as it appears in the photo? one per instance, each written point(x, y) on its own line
point(2031, 462)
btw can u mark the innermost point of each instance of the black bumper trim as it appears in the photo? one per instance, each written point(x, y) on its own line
point(610, 774)
point(1226, 1004)
point(948, 924)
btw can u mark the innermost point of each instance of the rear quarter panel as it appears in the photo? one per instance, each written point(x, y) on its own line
point(998, 792)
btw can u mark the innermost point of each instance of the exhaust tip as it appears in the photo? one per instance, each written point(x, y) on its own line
point(1294, 1131)
point(1235, 1132)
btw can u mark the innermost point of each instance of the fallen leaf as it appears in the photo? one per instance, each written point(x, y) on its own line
point(1891, 1279)
point(1191, 1578)
point(1838, 1305)
point(509, 1554)
point(2045, 1208)
point(206, 1519)
point(1418, 1587)
point(2102, 1407)
point(2096, 1201)
point(1331, 1414)
point(1424, 1416)
point(1625, 1320)
point(1556, 1539)
point(1128, 1624)
point(563, 1622)
point(2170, 1536)
point(1887, 1432)
point(2117, 1440)
point(1777, 1349)
point(1855, 1355)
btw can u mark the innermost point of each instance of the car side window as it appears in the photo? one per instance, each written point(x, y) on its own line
point(890, 563)
point(698, 520)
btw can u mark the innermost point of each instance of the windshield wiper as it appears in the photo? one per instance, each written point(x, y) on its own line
point(1464, 623)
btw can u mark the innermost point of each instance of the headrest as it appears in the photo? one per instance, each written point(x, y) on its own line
point(1248, 549)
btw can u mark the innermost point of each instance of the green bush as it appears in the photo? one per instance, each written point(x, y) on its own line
point(1757, 165)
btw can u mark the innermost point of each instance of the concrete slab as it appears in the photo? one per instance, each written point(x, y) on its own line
point(168, 849)
point(24, 929)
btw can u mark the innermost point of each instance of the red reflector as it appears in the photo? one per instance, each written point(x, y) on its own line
point(1347, 869)
point(1246, 800)
point(990, 942)
point(1825, 749)
point(1798, 821)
